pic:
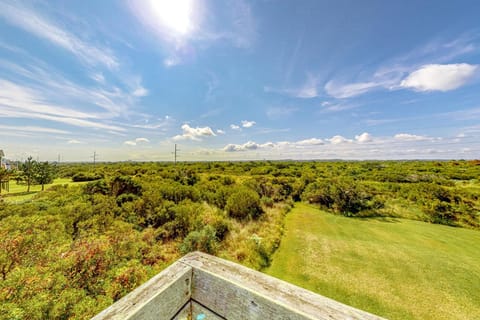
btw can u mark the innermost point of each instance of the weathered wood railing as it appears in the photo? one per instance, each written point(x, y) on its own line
point(200, 286)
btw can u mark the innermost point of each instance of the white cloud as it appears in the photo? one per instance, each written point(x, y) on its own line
point(310, 142)
point(250, 145)
point(171, 62)
point(268, 145)
point(197, 133)
point(338, 140)
point(404, 146)
point(137, 141)
point(41, 27)
point(409, 137)
point(248, 124)
point(140, 92)
point(364, 137)
point(438, 77)
point(235, 127)
point(219, 131)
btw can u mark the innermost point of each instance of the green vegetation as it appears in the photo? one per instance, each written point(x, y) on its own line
point(396, 268)
point(95, 233)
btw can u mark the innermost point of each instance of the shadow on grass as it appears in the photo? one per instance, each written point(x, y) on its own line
point(379, 218)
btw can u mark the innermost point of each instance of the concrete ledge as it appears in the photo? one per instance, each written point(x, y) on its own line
point(219, 289)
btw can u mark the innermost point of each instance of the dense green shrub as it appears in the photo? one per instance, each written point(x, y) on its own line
point(177, 192)
point(125, 184)
point(343, 196)
point(204, 240)
point(126, 197)
point(98, 186)
point(244, 204)
point(82, 176)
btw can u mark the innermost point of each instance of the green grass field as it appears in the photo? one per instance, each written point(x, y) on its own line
point(18, 192)
point(396, 268)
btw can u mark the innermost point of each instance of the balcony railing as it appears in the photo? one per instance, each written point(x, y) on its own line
point(203, 287)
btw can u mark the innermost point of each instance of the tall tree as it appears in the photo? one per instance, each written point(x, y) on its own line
point(28, 171)
point(44, 173)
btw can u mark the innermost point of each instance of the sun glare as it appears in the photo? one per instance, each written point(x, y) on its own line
point(176, 15)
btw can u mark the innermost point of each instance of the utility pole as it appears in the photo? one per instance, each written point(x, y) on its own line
point(95, 156)
point(175, 154)
point(58, 161)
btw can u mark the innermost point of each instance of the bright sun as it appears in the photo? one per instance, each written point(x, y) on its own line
point(176, 15)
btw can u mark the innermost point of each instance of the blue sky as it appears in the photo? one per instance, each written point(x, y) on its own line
point(240, 79)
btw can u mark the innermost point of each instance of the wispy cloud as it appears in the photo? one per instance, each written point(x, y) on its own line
point(162, 124)
point(329, 107)
point(243, 31)
point(422, 69)
point(40, 26)
point(37, 90)
point(462, 115)
point(341, 91)
point(33, 129)
point(306, 91)
point(20, 102)
point(280, 112)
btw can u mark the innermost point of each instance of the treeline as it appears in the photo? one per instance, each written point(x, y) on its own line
point(76, 248)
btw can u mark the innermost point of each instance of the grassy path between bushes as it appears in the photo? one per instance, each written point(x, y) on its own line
point(396, 268)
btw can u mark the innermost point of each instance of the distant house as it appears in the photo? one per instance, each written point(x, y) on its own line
point(2, 155)
point(5, 163)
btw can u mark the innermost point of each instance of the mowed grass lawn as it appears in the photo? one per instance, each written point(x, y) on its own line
point(18, 192)
point(398, 269)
